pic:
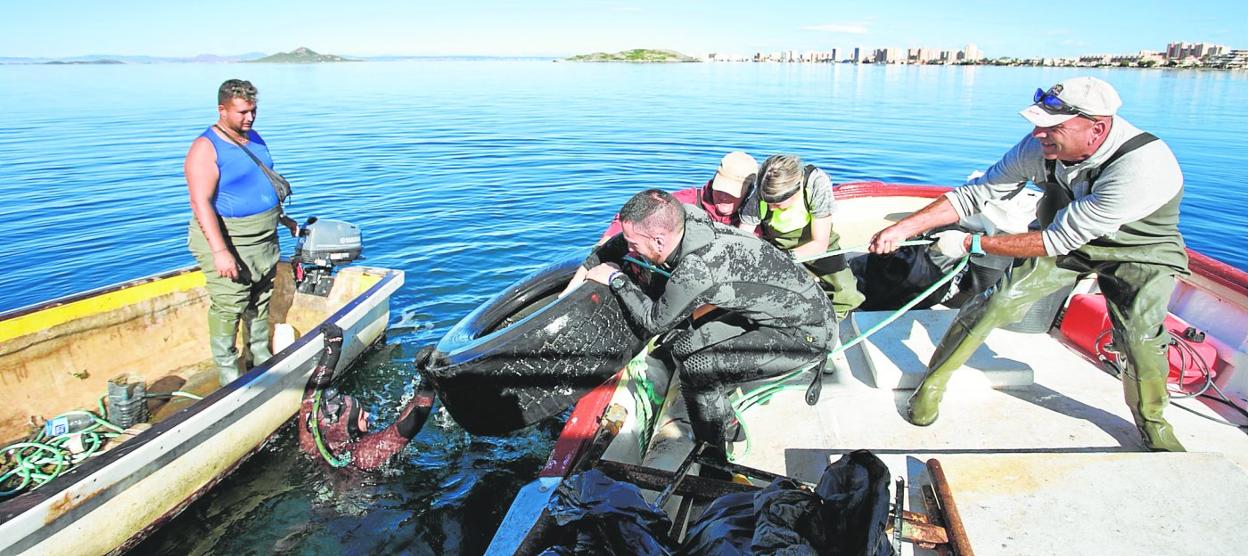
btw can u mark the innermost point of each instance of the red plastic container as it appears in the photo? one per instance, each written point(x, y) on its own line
point(1086, 324)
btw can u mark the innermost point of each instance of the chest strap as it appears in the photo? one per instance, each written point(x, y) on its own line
point(1050, 166)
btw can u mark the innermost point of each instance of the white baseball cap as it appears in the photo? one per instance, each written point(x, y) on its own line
point(1073, 97)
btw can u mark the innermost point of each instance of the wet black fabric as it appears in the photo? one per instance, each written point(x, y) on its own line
point(712, 357)
point(597, 515)
point(846, 514)
point(892, 280)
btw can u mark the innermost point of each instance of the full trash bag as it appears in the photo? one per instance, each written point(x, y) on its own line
point(599, 516)
point(845, 515)
point(892, 280)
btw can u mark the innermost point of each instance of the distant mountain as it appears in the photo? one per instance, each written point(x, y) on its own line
point(82, 62)
point(301, 55)
point(115, 59)
point(634, 55)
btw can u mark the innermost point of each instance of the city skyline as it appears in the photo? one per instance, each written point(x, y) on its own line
point(550, 28)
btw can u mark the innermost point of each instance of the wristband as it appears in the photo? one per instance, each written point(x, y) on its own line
point(977, 250)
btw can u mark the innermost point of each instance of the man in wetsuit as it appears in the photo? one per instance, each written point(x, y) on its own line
point(233, 232)
point(1110, 208)
point(792, 206)
point(720, 198)
point(341, 423)
point(771, 316)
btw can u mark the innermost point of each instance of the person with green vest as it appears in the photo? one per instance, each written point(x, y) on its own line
point(1110, 208)
point(232, 233)
point(791, 207)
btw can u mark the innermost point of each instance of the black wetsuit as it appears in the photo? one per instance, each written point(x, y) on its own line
point(772, 317)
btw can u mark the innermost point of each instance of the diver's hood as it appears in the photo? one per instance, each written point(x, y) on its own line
point(339, 419)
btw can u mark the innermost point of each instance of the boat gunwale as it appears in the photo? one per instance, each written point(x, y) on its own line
point(79, 296)
point(16, 506)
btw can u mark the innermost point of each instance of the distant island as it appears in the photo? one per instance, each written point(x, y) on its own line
point(81, 62)
point(301, 55)
point(634, 55)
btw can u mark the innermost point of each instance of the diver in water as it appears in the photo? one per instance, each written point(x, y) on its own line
point(334, 426)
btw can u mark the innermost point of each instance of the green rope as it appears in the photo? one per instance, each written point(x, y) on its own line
point(39, 460)
point(316, 435)
point(856, 248)
point(647, 265)
point(764, 393)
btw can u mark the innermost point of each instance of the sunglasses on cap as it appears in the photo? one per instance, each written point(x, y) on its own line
point(1049, 101)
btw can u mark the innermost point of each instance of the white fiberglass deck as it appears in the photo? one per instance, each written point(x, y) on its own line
point(1051, 467)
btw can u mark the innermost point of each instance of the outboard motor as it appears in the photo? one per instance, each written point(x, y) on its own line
point(322, 245)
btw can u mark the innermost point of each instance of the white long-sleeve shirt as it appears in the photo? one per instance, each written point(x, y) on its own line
point(1132, 188)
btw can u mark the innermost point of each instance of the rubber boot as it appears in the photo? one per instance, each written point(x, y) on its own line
point(1147, 399)
point(221, 336)
point(956, 347)
point(842, 290)
point(1144, 388)
point(258, 340)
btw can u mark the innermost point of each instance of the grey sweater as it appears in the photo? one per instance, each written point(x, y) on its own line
point(1132, 188)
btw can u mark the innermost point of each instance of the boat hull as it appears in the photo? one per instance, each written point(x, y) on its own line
point(112, 501)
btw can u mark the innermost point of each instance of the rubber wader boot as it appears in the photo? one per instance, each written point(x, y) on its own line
point(1146, 395)
point(842, 290)
point(221, 335)
point(258, 340)
point(955, 348)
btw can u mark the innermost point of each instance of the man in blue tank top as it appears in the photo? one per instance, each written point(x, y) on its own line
point(233, 232)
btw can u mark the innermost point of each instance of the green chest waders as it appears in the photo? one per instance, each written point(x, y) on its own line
point(1135, 269)
point(253, 242)
point(791, 227)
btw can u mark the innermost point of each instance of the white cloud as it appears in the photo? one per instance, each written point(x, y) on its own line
point(849, 28)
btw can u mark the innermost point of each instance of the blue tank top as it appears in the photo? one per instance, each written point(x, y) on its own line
point(242, 189)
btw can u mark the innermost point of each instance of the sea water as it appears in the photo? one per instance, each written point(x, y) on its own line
point(468, 176)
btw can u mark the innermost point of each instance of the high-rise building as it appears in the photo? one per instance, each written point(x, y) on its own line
point(857, 58)
point(971, 53)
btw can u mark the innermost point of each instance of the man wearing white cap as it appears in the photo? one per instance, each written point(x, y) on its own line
point(1110, 207)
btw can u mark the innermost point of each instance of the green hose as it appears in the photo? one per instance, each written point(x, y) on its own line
point(316, 435)
point(39, 460)
point(765, 392)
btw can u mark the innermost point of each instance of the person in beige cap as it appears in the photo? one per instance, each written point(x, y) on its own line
point(792, 209)
point(720, 197)
point(1110, 208)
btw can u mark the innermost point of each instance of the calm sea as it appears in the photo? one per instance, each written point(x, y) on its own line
point(468, 175)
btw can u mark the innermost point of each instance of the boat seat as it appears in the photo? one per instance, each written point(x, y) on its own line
point(897, 355)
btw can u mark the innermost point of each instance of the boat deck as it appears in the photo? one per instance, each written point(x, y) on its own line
point(1051, 464)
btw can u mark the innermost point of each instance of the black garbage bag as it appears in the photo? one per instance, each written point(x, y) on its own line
point(854, 514)
point(597, 515)
point(892, 280)
point(846, 515)
point(725, 528)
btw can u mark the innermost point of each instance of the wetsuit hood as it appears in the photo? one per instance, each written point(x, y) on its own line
point(338, 419)
point(698, 234)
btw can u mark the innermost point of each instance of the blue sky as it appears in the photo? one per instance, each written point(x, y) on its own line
point(56, 28)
